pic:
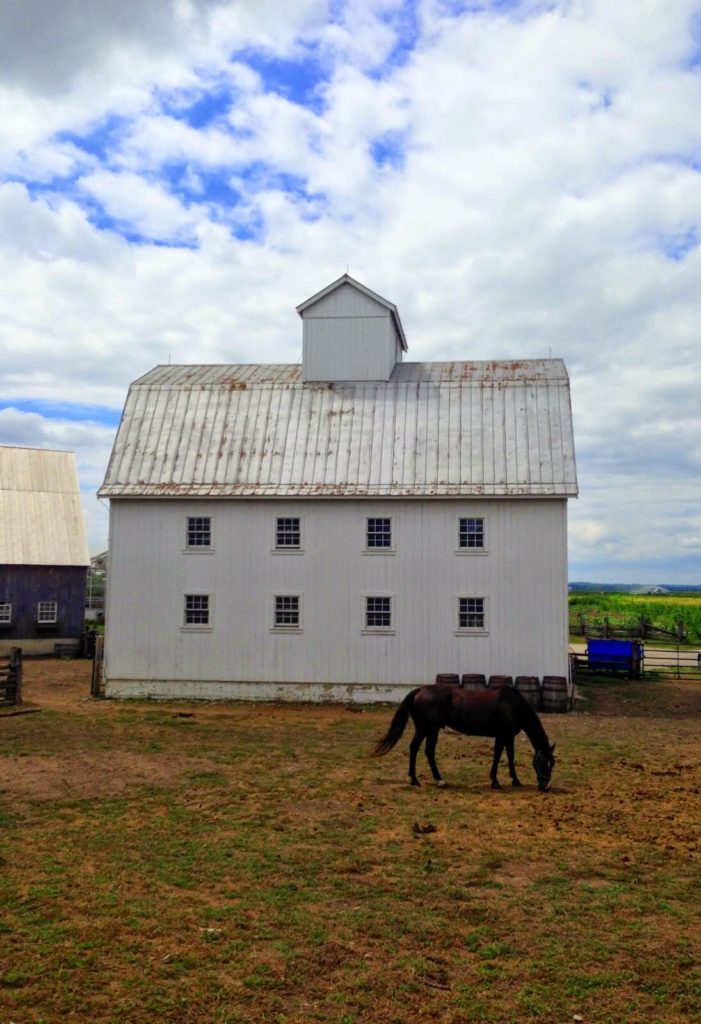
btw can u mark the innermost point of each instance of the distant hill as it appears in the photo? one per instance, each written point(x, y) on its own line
point(625, 588)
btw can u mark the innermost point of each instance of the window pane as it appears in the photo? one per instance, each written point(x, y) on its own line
point(197, 609)
point(199, 531)
point(5, 613)
point(287, 610)
point(287, 532)
point(46, 611)
point(471, 613)
point(379, 533)
point(471, 533)
point(378, 612)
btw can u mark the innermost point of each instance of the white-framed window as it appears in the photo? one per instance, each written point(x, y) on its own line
point(5, 613)
point(471, 533)
point(378, 613)
point(472, 615)
point(196, 610)
point(288, 533)
point(378, 535)
point(287, 612)
point(198, 533)
point(47, 613)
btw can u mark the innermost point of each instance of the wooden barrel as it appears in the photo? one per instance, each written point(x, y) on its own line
point(529, 686)
point(473, 681)
point(495, 681)
point(452, 678)
point(555, 698)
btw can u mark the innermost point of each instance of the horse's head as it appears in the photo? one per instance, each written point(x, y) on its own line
point(543, 763)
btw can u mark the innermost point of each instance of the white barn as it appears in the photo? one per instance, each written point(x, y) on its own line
point(339, 530)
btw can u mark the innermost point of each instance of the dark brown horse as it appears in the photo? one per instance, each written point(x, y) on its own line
point(501, 713)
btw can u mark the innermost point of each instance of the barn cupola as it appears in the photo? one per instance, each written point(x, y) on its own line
point(350, 334)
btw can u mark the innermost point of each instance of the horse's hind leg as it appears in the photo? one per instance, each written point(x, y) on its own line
point(498, 749)
point(413, 751)
point(431, 741)
point(512, 767)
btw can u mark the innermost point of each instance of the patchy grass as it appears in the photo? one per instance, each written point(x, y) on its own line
point(255, 864)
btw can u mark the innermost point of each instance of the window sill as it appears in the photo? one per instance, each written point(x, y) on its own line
point(274, 630)
point(287, 551)
point(198, 551)
point(471, 551)
point(471, 632)
point(196, 629)
point(379, 551)
point(379, 631)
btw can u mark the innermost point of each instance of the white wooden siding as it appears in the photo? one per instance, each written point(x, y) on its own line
point(523, 576)
point(357, 348)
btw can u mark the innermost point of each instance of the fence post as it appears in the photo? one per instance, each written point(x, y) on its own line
point(15, 666)
point(97, 658)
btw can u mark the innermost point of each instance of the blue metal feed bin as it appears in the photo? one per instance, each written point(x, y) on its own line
point(615, 656)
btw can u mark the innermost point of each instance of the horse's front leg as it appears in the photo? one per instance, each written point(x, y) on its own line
point(431, 741)
point(413, 751)
point(498, 749)
point(510, 755)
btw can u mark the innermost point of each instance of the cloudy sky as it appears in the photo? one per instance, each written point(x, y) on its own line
point(522, 178)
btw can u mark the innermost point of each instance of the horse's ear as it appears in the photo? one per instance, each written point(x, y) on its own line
point(552, 748)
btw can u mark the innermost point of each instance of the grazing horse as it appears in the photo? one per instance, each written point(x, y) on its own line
point(501, 713)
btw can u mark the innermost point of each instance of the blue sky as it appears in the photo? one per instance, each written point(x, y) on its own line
point(521, 178)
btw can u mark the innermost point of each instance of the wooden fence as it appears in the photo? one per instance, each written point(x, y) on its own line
point(638, 629)
point(11, 677)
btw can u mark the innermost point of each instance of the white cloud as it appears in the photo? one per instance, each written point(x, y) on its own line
point(542, 195)
point(142, 206)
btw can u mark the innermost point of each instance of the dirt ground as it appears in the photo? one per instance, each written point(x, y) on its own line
point(63, 685)
point(253, 864)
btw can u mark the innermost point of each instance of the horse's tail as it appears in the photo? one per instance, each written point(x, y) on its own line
point(397, 725)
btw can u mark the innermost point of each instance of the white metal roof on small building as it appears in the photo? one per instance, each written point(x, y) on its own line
point(41, 516)
point(433, 429)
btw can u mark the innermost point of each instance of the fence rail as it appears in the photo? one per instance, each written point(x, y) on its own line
point(674, 660)
point(638, 629)
point(678, 661)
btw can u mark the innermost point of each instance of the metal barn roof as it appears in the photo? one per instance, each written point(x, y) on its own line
point(435, 429)
point(41, 516)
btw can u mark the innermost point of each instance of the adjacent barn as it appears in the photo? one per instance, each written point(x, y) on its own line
point(341, 529)
point(43, 551)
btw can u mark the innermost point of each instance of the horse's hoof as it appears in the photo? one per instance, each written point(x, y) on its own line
point(441, 783)
point(415, 782)
point(495, 784)
point(515, 782)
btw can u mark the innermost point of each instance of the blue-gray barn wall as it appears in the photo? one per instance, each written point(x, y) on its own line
point(25, 585)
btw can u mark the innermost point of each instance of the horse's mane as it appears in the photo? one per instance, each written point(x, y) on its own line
point(532, 725)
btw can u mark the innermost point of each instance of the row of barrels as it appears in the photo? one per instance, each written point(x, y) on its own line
point(550, 695)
